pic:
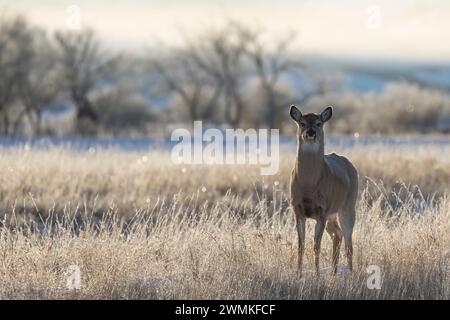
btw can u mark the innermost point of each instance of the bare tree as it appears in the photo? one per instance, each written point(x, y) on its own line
point(224, 60)
point(15, 51)
point(84, 67)
point(198, 91)
point(220, 54)
point(269, 64)
point(40, 84)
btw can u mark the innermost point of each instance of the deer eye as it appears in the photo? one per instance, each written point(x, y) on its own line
point(302, 124)
point(319, 124)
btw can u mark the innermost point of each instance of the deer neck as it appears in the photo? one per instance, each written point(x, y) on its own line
point(310, 162)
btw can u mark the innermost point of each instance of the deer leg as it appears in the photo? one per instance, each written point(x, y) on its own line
point(336, 235)
point(318, 233)
point(347, 221)
point(301, 237)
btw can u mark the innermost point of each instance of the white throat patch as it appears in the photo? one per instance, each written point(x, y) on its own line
point(311, 146)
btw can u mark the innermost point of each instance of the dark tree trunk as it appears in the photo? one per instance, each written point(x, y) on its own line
point(86, 111)
point(86, 118)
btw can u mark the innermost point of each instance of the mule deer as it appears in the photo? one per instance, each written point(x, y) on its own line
point(323, 187)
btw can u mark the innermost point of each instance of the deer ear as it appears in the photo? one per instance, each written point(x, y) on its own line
point(296, 115)
point(326, 114)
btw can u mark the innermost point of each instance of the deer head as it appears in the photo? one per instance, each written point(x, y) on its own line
point(310, 125)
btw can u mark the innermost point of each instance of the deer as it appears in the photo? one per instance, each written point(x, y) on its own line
point(323, 188)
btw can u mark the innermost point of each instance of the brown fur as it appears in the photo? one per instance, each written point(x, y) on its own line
point(324, 188)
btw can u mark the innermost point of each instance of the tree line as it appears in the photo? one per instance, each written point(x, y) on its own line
point(67, 82)
point(209, 78)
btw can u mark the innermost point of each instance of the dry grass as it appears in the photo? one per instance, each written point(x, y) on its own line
point(140, 227)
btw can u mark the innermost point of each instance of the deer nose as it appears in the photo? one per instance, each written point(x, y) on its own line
point(310, 133)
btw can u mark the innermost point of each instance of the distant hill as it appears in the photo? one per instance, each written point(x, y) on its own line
point(374, 74)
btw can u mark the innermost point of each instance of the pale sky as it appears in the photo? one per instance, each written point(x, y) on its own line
point(417, 29)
